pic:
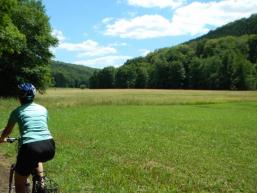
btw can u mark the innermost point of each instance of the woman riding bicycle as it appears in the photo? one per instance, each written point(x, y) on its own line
point(36, 142)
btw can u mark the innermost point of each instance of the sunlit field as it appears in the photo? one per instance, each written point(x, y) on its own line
point(77, 97)
point(150, 140)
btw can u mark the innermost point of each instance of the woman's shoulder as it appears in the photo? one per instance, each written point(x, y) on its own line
point(35, 105)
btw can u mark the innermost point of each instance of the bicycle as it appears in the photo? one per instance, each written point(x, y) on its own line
point(39, 184)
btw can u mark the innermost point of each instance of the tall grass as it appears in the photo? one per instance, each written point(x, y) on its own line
point(78, 97)
point(146, 141)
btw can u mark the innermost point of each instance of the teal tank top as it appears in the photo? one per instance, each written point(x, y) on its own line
point(32, 120)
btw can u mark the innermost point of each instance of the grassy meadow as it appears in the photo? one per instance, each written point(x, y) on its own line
point(151, 141)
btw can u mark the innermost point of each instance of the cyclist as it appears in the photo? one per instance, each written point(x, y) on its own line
point(36, 142)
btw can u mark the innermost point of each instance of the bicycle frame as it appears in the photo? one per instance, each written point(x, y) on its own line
point(11, 184)
point(39, 184)
point(28, 190)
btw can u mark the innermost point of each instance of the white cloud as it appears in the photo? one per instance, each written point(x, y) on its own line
point(107, 20)
point(87, 48)
point(156, 3)
point(102, 62)
point(53, 51)
point(192, 19)
point(118, 44)
point(59, 35)
point(147, 26)
point(132, 14)
point(144, 52)
point(90, 52)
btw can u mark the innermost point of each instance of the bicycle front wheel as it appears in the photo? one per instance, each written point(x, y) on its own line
point(11, 180)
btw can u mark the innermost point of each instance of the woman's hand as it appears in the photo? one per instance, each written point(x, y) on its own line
point(6, 132)
point(3, 135)
point(2, 139)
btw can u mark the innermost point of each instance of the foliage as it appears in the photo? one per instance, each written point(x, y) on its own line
point(25, 38)
point(70, 75)
point(11, 39)
point(214, 61)
point(236, 28)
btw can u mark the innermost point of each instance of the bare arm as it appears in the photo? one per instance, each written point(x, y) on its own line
point(7, 131)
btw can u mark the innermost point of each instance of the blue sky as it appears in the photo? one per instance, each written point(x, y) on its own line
point(100, 33)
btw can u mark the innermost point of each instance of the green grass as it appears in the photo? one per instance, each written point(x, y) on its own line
point(78, 97)
point(147, 141)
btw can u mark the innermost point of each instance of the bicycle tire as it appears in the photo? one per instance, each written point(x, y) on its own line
point(44, 185)
point(11, 180)
point(36, 185)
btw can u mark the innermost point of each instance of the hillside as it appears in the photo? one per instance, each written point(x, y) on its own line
point(223, 59)
point(245, 26)
point(70, 75)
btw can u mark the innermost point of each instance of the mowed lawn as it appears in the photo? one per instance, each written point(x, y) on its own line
point(150, 140)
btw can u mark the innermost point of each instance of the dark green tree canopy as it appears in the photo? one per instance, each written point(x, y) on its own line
point(25, 39)
point(224, 59)
point(70, 75)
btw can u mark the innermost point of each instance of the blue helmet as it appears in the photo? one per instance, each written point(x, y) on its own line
point(27, 91)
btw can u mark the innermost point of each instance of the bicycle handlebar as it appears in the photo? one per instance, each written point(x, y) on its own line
point(10, 139)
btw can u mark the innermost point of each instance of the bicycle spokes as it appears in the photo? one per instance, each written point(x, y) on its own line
point(45, 185)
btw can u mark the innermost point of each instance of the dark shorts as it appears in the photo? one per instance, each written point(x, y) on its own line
point(31, 154)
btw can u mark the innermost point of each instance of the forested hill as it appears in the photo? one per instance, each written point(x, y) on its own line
point(70, 75)
point(237, 28)
point(224, 59)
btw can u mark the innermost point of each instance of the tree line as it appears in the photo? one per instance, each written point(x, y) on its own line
point(67, 75)
point(25, 39)
point(221, 63)
point(222, 59)
point(237, 28)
